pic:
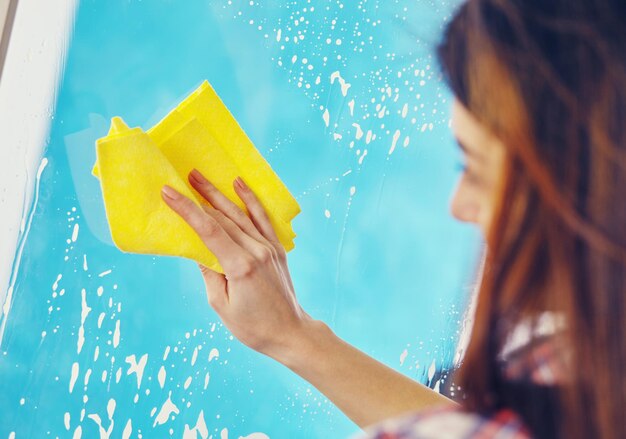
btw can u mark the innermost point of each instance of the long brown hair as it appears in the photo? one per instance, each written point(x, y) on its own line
point(548, 77)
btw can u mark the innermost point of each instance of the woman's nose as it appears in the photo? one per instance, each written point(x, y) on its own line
point(463, 207)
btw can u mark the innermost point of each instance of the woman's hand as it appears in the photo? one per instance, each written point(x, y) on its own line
point(254, 297)
point(257, 303)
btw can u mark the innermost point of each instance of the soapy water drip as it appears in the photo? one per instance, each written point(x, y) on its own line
point(384, 103)
point(188, 349)
point(309, 56)
point(26, 224)
point(111, 377)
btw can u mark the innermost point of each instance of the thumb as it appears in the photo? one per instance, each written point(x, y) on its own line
point(215, 284)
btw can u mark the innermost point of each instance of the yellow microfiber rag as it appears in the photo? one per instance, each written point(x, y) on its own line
point(200, 133)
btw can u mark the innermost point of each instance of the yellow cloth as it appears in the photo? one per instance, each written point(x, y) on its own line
point(200, 133)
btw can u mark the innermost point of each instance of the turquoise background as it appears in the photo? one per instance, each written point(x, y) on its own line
point(388, 269)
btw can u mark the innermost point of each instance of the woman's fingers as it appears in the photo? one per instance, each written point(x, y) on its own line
point(255, 247)
point(257, 213)
point(257, 225)
point(234, 259)
point(223, 204)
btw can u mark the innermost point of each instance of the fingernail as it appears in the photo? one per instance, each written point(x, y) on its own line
point(240, 183)
point(170, 193)
point(198, 176)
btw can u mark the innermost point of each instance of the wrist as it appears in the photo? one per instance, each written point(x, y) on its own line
point(302, 344)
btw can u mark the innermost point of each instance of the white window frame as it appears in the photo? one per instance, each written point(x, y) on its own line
point(34, 36)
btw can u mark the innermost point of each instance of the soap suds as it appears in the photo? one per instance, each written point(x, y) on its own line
point(326, 117)
point(74, 376)
point(127, 430)
point(344, 85)
point(403, 356)
point(55, 285)
point(200, 428)
point(213, 354)
point(396, 137)
point(116, 335)
point(167, 409)
point(105, 434)
point(161, 376)
point(362, 157)
point(137, 367)
point(85, 310)
point(431, 371)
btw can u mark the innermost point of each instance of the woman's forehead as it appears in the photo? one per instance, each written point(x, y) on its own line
point(464, 124)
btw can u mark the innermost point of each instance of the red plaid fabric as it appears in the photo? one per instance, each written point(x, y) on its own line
point(541, 361)
point(449, 423)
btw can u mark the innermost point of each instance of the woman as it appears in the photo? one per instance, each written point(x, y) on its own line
point(540, 113)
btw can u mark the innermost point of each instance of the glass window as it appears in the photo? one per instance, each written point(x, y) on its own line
point(345, 101)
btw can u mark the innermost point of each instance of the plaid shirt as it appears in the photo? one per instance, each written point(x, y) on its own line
point(540, 361)
point(449, 423)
